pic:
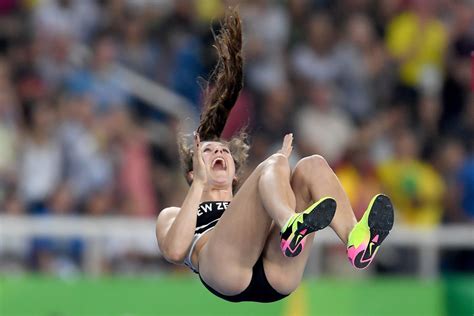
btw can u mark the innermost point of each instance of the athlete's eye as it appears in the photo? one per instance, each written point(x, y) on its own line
point(206, 149)
point(226, 150)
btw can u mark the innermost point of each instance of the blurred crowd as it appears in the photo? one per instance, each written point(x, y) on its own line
point(381, 89)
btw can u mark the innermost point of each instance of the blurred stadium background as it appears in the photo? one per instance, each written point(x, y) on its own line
point(93, 95)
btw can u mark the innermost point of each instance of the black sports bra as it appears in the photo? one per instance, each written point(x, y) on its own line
point(209, 214)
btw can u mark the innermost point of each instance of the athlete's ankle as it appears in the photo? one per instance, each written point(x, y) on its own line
point(347, 230)
point(284, 219)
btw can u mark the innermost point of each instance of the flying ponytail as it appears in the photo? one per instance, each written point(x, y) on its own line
point(226, 80)
point(222, 92)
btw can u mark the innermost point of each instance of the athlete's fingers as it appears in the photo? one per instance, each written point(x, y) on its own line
point(290, 144)
point(288, 140)
point(196, 139)
point(197, 146)
point(287, 147)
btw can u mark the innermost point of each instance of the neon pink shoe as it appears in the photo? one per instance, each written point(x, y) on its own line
point(369, 233)
point(314, 218)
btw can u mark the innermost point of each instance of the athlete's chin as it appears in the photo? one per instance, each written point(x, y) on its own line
point(220, 181)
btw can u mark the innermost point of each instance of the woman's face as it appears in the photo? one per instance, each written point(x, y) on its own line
point(219, 163)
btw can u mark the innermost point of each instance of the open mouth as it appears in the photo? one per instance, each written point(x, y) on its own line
point(218, 164)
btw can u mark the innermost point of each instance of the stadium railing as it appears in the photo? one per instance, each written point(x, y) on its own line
point(138, 235)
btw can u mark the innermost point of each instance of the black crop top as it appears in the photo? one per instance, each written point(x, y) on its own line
point(209, 214)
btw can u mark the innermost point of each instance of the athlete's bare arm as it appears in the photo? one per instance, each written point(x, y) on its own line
point(163, 224)
point(175, 226)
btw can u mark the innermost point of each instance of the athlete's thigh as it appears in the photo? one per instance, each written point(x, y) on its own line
point(238, 238)
point(284, 273)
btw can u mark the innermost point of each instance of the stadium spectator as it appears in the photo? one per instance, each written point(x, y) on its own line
point(8, 132)
point(321, 126)
point(357, 174)
point(450, 158)
point(367, 76)
point(417, 40)
point(101, 80)
point(84, 141)
point(73, 19)
point(267, 27)
point(40, 159)
point(415, 186)
point(70, 119)
point(135, 169)
point(317, 59)
point(135, 49)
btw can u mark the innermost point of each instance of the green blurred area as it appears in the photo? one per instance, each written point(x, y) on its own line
point(171, 295)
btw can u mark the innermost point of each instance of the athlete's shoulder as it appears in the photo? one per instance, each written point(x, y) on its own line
point(168, 213)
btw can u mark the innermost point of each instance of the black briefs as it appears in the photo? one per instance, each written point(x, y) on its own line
point(259, 290)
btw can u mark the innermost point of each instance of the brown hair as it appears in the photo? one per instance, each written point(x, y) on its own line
point(227, 81)
point(227, 78)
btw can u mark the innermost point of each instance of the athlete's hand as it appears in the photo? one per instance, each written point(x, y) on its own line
point(286, 148)
point(199, 167)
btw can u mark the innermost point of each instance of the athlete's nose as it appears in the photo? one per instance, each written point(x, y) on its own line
point(218, 150)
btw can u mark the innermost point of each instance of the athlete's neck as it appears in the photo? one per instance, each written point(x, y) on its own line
point(214, 194)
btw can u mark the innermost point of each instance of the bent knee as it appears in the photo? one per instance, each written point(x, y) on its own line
point(312, 162)
point(311, 165)
point(275, 161)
